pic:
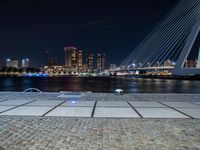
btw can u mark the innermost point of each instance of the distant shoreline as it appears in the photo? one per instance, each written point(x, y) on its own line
point(196, 77)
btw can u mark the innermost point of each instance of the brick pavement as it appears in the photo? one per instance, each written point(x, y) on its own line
point(100, 133)
point(96, 134)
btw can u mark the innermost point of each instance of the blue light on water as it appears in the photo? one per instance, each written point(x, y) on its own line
point(36, 75)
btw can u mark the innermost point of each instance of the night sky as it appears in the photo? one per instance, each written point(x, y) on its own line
point(114, 26)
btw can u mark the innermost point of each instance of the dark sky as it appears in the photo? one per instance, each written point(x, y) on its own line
point(113, 26)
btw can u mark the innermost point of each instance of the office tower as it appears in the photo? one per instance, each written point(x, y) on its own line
point(52, 62)
point(70, 56)
point(90, 61)
point(12, 63)
point(100, 62)
point(25, 63)
point(74, 59)
point(80, 60)
point(8, 62)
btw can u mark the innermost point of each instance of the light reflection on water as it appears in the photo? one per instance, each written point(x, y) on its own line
point(101, 84)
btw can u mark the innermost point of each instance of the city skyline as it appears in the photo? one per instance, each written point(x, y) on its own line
point(74, 58)
point(30, 27)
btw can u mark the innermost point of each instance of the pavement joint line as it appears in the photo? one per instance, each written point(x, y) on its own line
point(93, 110)
point(17, 106)
point(134, 109)
point(3, 100)
point(54, 108)
point(177, 110)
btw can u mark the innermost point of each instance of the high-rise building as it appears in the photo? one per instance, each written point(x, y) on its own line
point(80, 60)
point(52, 62)
point(12, 63)
point(8, 62)
point(90, 61)
point(73, 58)
point(25, 63)
point(100, 62)
point(70, 56)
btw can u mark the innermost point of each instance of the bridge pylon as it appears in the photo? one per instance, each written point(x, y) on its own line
point(179, 67)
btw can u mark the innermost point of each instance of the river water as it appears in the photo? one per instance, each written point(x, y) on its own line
point(100, 84)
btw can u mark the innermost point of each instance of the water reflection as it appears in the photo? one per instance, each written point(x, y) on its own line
point(7, 82)
point(102, 84)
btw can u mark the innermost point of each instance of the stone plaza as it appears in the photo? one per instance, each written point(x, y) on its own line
point(99, 121)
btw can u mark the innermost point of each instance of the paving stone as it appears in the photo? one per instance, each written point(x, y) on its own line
point(198, 103)
point(193, 112)
point(3, 108)
point(27, 111)
point(112, 104)
point(115, 112)
point(160, 113)
point(2, 100)
point(78, 103)
point(14, 102)
point(146, 104)
point(28, 132)
point(181, 104)
point(70, 95)
point(71, 111)
point(45, 103)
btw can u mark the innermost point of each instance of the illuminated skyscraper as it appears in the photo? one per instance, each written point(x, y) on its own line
point(100, 62)
point(80, 60)
point(12, 63)
point(90, 61)
point(25, 63)
point(73, 58)
point(8, 62)
point(70, 56)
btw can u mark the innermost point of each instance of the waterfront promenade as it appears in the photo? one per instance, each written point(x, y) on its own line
point(99, 121)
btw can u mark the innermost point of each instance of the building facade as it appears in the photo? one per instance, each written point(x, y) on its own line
point(59, 70)
point(70, 56)
point(100, 62)
point(90, 61)
point(80, 60)
point(12, 63)
point(73, 58)
point(25, 63)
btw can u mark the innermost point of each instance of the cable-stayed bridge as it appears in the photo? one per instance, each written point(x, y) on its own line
point(170, 43)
